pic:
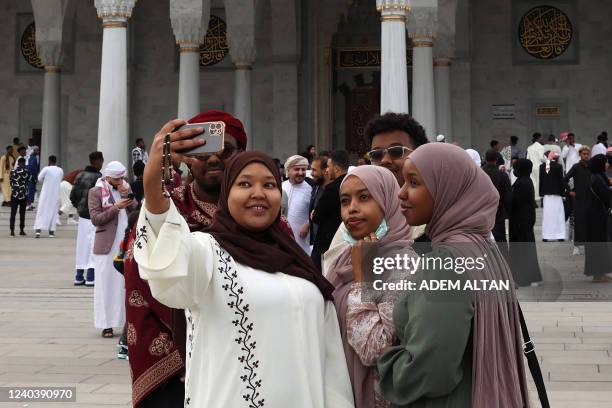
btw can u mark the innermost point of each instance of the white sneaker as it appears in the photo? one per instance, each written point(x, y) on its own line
point(71, 221)
point(58, 222)
point(576, 251)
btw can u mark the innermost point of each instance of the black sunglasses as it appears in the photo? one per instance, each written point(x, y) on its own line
point(227, 152)
point(394, 152)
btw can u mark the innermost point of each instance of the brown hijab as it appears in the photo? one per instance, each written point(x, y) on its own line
point(465, 203)
point(269, 250)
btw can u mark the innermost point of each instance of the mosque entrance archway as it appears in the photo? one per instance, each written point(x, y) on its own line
point(355, 64)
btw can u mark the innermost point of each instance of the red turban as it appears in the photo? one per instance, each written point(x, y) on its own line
point(233, 126)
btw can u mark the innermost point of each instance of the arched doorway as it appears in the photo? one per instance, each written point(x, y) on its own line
point(356, 76)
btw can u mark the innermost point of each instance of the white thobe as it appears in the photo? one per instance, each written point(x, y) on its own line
point(570, 155)
point(86, 234)
point(599, 148)
point(553, 218)
point(109, 290)
point(251, 335)
point(535, 154)
point(48, 201)
point(65, 204)
point(297, 214)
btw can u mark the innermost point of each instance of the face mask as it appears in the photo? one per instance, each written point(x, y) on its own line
point(380, 232)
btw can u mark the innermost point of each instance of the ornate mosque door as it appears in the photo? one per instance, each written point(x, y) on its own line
point(362, 103)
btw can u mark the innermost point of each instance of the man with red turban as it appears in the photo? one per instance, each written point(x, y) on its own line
point(156, 377)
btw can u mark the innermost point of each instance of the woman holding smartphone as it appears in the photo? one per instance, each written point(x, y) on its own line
point(261, 325)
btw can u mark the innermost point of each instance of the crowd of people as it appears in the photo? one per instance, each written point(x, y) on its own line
point(252, 265)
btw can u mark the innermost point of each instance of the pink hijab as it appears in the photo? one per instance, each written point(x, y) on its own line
point(465, 203)
point(382, 184)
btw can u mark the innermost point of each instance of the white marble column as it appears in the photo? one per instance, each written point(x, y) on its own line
point(444, 122)
point(189, 19)
point(241, 39)
point(242, 98)
point(113, 116)
point(393, 69)
point(50, 55)
point(421, 27)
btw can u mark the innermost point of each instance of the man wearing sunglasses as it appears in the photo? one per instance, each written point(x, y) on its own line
point(393, 137)
point(200, 196)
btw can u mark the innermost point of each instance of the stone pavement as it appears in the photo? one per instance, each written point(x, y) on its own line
point(48, 338)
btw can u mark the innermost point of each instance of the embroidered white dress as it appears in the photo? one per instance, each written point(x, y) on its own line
point(254, 339)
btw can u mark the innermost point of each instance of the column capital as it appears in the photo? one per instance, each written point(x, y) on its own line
point(422, 24)
point(242, 54)
point(444, 46)
point(50, 53)
point(114, 13)
point(393, 7)
point(188, 31)
point(189, 20)
point(241, 32)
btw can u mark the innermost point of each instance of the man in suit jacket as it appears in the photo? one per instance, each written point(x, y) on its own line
point(327, 212)
point(108, 208)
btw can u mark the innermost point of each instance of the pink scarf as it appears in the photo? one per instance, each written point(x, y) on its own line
point(465, 203)
point(106, 192)
point(382, 184)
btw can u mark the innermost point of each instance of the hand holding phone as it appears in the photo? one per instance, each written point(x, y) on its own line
point(213, 136)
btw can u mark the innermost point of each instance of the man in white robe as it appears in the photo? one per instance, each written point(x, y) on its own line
point(602, 145)
point(48, 202)
point(535, 154)
point(298, 192)
point(570, 154)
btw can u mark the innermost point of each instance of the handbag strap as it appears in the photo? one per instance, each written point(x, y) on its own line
point(532, 361)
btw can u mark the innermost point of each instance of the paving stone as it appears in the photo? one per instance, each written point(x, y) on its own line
point(48, 336)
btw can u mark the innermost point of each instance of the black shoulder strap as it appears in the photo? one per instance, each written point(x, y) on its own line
point(532, 361)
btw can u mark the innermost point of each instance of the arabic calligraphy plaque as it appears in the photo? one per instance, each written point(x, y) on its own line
point(28, 47)
point(215, 48)
point(545, 32)
point(363, 58)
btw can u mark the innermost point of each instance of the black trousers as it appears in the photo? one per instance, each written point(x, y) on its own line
point(22, 210)
point(169, 395)
point(499, 233)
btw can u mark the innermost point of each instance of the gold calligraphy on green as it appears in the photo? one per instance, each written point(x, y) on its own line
point(28, 47)
point(545, 32)
point(215, 47)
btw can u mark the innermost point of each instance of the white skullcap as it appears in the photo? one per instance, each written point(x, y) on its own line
point(296, 160)
point(114, 169)
point(474, 156)
point(440, 138)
